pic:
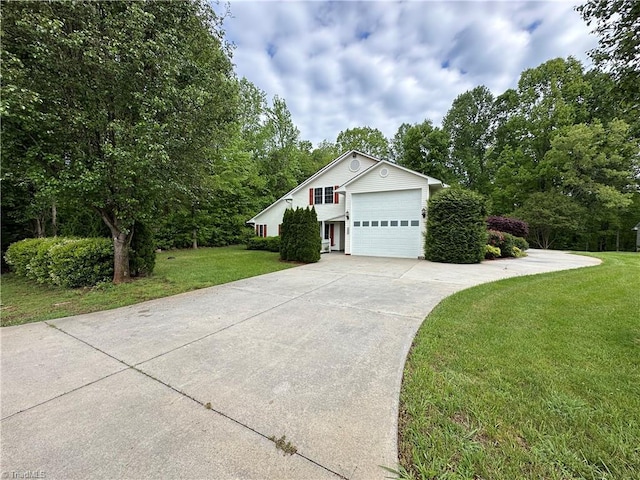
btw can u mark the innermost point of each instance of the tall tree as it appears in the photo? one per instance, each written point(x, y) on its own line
point(139, 97)
point(549, 97)
point(617, 23)
point(364, 139)
point(469, 125)
point(425, 149)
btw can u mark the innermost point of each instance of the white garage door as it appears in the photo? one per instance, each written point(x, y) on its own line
point(387, 224)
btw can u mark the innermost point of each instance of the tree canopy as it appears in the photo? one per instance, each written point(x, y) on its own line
point(125, 114)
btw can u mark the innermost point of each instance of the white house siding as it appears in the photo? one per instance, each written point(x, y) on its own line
point(396, 179)
point(338, 174)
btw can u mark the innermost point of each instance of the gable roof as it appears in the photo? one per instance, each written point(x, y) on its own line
point(300, 186)
point(430, 180)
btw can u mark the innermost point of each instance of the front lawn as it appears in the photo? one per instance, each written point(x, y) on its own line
point(530, 377)
point(176, 271)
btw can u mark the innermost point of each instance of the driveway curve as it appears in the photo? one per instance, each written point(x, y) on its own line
point(290, 375)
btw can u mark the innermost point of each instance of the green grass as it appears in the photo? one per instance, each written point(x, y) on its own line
point(24, 301)
point(531, 377)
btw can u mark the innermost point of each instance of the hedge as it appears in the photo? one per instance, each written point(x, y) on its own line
point(456, 229)
point(82, 262)
point(68, 262)
point(20, 254)
point(39, 268)
point(270, 244)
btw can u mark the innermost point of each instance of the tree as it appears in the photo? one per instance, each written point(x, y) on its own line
point(280, 166)
point(552, 217)
point(617, 23)
point(364, 139)
point(396, 146)
point(596, 166)
point(426, 150)
point(469, 125)
point(549, 98)
point(138, 97)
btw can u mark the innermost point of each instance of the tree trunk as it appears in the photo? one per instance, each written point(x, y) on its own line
point(194, 245)
point(120, 257)
point(39, 222)
point(54, 219)
point(121, 243)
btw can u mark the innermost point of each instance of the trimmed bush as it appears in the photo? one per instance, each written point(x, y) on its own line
point(270, 244)
point(514, 226)
point(300, 237)
point(39, 268)
point(82, 262)
point(20, 254)
point(142, 252)
point(506, 247)
point(521, 243)
point(456, 228)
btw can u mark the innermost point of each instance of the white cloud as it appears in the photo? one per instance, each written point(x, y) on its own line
point(346, 64)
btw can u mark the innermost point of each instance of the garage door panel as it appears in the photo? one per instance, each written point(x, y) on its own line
point(387, 224)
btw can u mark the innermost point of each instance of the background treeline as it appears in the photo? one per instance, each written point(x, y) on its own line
point(116, 114)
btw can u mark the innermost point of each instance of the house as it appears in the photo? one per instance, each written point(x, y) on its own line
point(365, 206)
point(637, 229)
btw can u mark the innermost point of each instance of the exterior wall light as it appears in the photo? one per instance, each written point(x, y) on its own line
point(346, 214)
point(424, 212)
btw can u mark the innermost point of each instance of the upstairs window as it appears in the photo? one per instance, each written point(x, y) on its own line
point(328, 194)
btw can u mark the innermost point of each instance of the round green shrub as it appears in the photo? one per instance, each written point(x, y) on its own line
point(456, 229)
point(521, 243)
point(40, 265)
point(81, 262)
point(20, 254)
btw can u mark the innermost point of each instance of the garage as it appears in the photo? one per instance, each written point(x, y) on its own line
point(387, 224)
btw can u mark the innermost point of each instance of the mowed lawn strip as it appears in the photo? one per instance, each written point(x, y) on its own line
point(176, 271)
point(530, 377)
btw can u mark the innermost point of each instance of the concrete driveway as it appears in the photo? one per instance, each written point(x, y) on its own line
point(195, 385)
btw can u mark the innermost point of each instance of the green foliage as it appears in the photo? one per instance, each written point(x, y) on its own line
point(364, 139)
point(20, 254)
point(456, 231)
point(142, 252)
point(129, 102)
point(81, 262)
point(425, 149)
point(521, 243)
point(507, 245)
point(552, 217)
point(270, 244)
point(617, 24)
point(67, 262)
point(468, 123)
point(300, 238)
point(39, 268)
point(491, 252)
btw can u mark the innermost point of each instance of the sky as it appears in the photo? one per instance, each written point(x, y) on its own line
point(351, 64)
